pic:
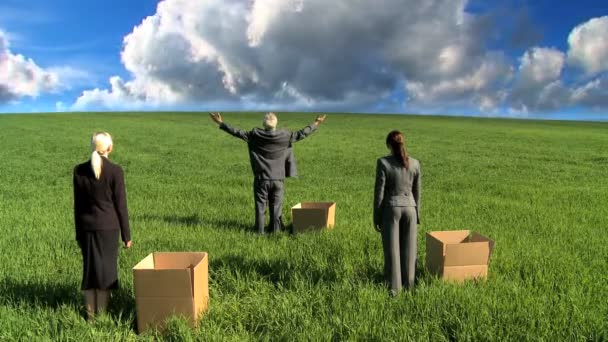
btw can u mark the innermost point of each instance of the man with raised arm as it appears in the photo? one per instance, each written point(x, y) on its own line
point(271, 160)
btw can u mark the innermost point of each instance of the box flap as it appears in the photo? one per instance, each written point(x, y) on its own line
point(162, 283)
point(464, 254)
point(434, 254)
point(451, 236)
point(177, 260)
point(317, 205)
point(167, 274)
point(331, 215)
point(200, 285)
point(145, 263)
point(476, 237)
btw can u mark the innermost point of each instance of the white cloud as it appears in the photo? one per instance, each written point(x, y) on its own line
point(540, 65)
point(481, 86)
point(537, 85)
point(589, 45)
point(20, 76)
point(264, 13)
point(120, 95)
point(340, 54)
point(69, 77)
point(310, 52)
point(594, 94)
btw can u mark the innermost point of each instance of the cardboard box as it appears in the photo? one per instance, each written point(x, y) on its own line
point(170, 283)
point(458, 255)
point(316, 215)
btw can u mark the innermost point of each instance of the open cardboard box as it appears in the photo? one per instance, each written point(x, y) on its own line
point(458, 255)
point(170, 283)
point(315, 215)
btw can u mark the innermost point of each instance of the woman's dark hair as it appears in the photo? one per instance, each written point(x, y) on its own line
point(396, 141)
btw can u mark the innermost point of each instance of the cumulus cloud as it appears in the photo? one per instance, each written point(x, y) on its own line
point(305, 52)
point(588, 45)
point(20, 76)
point(482, 85)
point(343, 54)
point(594, 94)
point(69, 77)
point(125, 95)
point(538, 86)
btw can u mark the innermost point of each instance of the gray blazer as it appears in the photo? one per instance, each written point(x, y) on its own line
point(291, 169)
point(396, 186)
point(270, 151)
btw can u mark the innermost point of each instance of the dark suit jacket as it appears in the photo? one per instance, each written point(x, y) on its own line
point(396, 186)
point(100, 204)
point(270, 152)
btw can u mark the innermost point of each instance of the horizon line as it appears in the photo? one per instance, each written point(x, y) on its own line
point(443, 115)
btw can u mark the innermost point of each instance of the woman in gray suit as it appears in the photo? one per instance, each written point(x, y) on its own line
point(396, 212)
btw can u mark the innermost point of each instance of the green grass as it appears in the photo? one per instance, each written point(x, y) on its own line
point(537, 188)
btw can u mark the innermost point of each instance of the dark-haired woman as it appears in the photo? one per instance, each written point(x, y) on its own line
point(396, 212)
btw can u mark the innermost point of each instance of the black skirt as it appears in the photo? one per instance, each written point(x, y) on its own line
point(99, 259)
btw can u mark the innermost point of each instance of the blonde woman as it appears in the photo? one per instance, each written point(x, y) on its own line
point(100, 214)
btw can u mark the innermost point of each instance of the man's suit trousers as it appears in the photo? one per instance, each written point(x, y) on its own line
point(271, 192)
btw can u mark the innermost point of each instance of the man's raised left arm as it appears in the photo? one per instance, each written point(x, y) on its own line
point(306, 131)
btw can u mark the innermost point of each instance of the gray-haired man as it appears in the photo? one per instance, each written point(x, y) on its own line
point(271, 161)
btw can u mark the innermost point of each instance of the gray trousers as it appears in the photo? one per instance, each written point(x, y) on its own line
point(271, 192)
point(399, 242)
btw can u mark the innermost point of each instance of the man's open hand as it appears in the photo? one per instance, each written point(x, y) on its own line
point(216, 117)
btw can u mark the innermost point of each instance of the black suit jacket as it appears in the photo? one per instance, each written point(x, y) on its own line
point(100, 204)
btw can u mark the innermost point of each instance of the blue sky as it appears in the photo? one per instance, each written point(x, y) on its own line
point(84, 35)
point(506, 58)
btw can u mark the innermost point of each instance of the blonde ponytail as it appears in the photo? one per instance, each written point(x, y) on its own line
point(96, 164)
point(100, 144)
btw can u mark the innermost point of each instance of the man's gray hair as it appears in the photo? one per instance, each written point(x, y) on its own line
point(270, 121)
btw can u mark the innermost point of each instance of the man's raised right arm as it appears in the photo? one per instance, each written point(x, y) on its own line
point(306, 131)
point(235, 132)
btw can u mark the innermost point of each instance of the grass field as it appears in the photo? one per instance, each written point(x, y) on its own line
point(539, 189)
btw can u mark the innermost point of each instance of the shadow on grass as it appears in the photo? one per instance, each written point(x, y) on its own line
point(196, 221)
point(288, 228)
point(287, 272)
point(122, 307)
point(331, 263)
point(276, 271)
point(36, 294)
point(55, 295)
